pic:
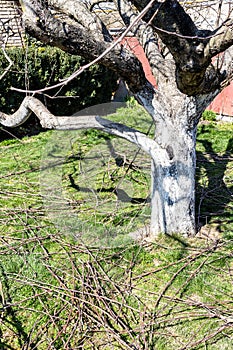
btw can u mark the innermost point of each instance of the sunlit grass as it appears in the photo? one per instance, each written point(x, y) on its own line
point(174, 294)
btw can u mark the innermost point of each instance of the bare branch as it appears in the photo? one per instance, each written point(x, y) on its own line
point(146, 36)
point(222, 40)
point(49, 121)
point(10, 63)
point(191, 47)
point(17, 118)
point(177, 21)
point(69, 35)
point(83, 16)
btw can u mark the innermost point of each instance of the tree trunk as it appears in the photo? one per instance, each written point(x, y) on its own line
point(173, 168)
point(173, 189)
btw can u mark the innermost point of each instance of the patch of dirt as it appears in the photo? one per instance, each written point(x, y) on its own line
point(210, 233)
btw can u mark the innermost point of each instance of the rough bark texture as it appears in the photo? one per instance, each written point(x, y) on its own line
point(192, 49)
point(181, 54)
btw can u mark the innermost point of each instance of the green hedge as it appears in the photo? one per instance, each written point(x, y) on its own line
point(37, 67)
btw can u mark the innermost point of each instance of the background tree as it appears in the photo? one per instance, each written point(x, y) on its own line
point(182, 55)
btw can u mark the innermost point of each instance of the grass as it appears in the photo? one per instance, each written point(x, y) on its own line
point(214, 175)
point(57, 292)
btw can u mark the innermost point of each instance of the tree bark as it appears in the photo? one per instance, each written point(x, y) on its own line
point(173, 186)
point(173, 162)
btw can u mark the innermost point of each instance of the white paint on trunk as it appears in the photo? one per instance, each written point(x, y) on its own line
point(173, 171)
point(173, 190)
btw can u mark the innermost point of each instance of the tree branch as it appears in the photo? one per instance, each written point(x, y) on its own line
point(10, 63)
point(68, 34)
point(49, 121)
point(191, 48)
point(168, 17)
point(222, 40)
point(146, 36)
point(84, 16)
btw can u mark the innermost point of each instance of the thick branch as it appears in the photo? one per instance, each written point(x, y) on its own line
point(71, 36)
point(48, 120)
point(146, 36)
point(168, 17)
point(222, 40)
point(192, 49)
point(82, 15)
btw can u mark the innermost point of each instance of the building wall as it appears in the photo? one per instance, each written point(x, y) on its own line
point(223, 103)
point(10, 24)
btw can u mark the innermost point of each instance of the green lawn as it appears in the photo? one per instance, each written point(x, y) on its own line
point(60, 290)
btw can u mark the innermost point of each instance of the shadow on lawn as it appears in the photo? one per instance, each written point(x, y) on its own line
point(10, 319)
point(214, 193)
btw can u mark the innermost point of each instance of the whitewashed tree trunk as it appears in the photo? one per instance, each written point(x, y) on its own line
point(173, 186)
point(173, 160)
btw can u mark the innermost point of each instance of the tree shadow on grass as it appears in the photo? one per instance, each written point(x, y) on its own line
point(214, 190)
point(9, 317)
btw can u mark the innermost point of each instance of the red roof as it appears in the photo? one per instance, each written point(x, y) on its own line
point(223, 103)
point(134, 45)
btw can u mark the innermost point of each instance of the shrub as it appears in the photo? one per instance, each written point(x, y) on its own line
point(209, 115)
point(37, 67)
